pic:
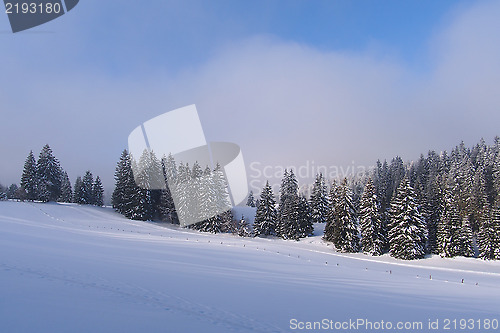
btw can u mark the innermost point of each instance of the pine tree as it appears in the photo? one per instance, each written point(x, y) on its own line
point(407, 230)
point(12, 192)
point(478, 207)
point(78, 191)
point(288, 216)
point(86, 189)
point(454, 232)
point(121, 182)
point(182, 194)
point(243, 227)
point(330, 231)
point(48, 174)
point(489, 236)
point(496, 176)
point(266, 215)
point(319, 200)
point(98, 192)
point(3, 193)
point(66, 192)
point(342, 224)
point(28, 179)
point(126, 196)
point(251, 200)
point(435, 200)
point(373, 237)
point(304, 210)
point(167, 208)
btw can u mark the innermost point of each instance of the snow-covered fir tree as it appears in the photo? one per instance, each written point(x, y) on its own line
point(118, 195)
point(66, 191)
point(479, 206)
point(126, 196)
point(304, 210)
point(496, 176)
point(48, 175)
point(29, 178)
point(86, 197)
point(342, 224)
point(488, 239)
point(454, 232)
point(373, 233)
point(329, 231)
point(77, 192)
point(251, 200)
point(97, 192)
point(182, 192)
point(167, 208)
point(13, 192)
point(407, 230)
point(212, 197)
point(266, 215)
point(319, 200)
point(288, 226)
point(243, 227)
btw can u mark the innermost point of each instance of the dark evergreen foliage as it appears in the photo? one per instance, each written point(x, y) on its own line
point(407, 230)
point(319, 200)
point(373, 233)
point(66, 191)
point(97, 192)
point(266, 216)
point(342, 224)
point(28, 178)
point(251, 200)
point(48, 176)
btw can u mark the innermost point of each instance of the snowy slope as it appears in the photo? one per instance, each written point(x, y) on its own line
point(69, 268)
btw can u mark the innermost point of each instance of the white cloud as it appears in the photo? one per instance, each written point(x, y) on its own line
point(283, 102)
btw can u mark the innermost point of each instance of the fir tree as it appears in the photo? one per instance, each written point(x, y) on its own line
point(342, 225)
point(119, 193)
point(3, 193)
point(489, 236)
point(167, 205)
point(126, 196)
point(12, 192)
point(251, 200)
point(86, 189)
point(319, 200)
point(266, 215)
point(78, 191)
point(373, 237)
point(28, 179)
point(454, 232)
point(407, 230)
point(48, 175)
point(66, 192)
point(304, 210)
point(98, 192)
point(243, 227)
point(288, 216)
point(478, 207)
point(330, 231)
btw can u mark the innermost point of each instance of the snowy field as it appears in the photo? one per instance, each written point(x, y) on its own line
point(70, 268)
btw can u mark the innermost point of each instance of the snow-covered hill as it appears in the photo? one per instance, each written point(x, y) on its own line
point(69, 268)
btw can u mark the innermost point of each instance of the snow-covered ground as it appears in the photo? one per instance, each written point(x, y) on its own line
point(70, 268)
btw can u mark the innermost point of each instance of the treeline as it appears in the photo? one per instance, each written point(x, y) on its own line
point(447, 204)
point(441, 204)
point(45, 180)
point(198, 192)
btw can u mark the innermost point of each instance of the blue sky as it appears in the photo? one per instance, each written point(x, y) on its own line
point(337, 83)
